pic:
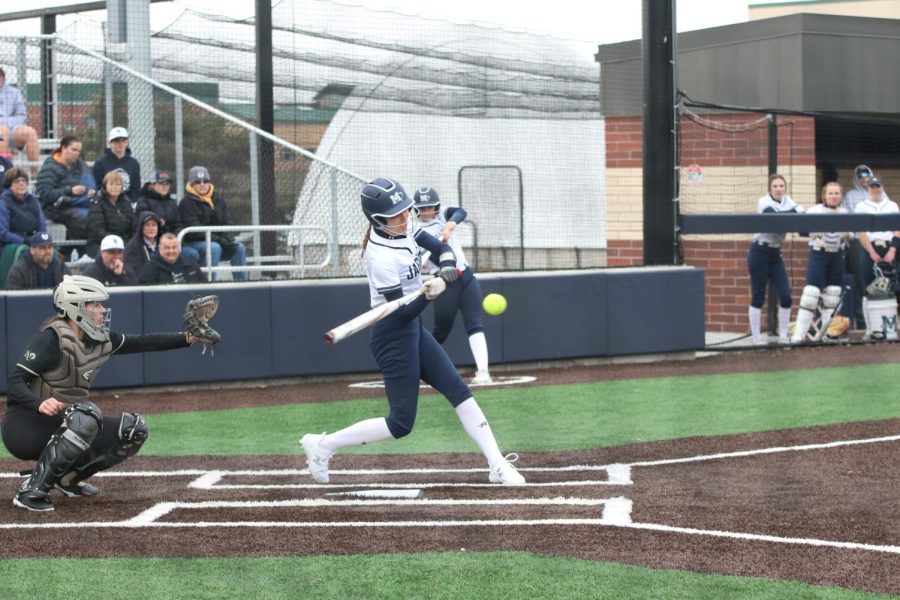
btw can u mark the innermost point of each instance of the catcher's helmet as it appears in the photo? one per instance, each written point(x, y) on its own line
point(382, 198)
point(71, 297)
point(427, 196)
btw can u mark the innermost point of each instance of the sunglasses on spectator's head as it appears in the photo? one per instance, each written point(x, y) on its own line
point(202, 181)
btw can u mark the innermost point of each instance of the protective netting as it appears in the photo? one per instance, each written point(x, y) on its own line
point(376, 93)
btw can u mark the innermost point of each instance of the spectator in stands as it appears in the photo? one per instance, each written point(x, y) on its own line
point(168, 265)
point(204, 205)
point(13, 114)
point(879, 247)
point(765, 263)
point(41, 268)
point(5, 165)
point(142, 244)
point(111, 212)
point(65, 186)
point(20, 211)
point(109, 267)
point(118, 156)
point(855, 252)
point(157, 196)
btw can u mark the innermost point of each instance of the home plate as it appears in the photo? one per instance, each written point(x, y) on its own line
point(513, 380)
point(410, 493)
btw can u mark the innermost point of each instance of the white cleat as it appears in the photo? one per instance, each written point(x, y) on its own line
point(316, 457)
point(481, 378)
point(505, 473)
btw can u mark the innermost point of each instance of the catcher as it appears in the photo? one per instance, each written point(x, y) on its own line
point(50, 418)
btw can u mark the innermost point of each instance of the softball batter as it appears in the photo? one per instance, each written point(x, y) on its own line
point(464, 296)
point(405, 352)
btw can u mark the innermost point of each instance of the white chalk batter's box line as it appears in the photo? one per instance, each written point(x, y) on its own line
point(616, 511)
point(501, 380)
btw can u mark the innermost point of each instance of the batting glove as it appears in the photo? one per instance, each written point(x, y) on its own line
point(449, 274)
point(434, 287)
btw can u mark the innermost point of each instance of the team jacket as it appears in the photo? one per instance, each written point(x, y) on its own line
point(157, 271)
point(137, 252)
point(98, 271)
point(127, 164)
point(56, 363)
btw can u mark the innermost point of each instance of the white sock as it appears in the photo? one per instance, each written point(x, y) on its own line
point(476, 425)
point(755, 315)
point(478, 344)
point(363, 432)
point(784, 322)
point(804, 320)
point(865, 309)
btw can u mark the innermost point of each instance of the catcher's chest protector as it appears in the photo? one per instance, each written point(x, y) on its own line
point(71, 379)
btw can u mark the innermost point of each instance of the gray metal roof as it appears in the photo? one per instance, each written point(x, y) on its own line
point(805, 62)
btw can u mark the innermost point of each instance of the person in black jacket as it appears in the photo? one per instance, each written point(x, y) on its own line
point(110, 213)
point(109, 268)
point(65, 186)
point(204, 205)
point(156, 196)
point(168, 265)
point(39, 269)
point(142, 244)
point(118, 157)
point(49, 417)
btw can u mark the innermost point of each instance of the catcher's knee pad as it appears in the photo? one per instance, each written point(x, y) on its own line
point(809, 299)
point(81, 424)
point(831, 296)
point(133, 433)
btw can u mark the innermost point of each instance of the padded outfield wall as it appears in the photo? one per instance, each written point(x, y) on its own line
point(274, 330)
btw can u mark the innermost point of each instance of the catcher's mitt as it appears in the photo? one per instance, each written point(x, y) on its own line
point(197, 314)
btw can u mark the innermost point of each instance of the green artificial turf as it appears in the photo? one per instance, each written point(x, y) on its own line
point(558, 417)
point(450, 575)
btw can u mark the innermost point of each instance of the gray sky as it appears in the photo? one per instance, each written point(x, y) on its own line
point(595, 22)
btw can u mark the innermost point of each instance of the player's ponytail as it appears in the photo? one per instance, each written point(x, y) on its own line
point(365, 241)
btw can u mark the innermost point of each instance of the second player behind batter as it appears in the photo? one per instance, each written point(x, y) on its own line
point(464, 295)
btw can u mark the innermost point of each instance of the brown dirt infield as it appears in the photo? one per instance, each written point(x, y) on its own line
point(845, 493)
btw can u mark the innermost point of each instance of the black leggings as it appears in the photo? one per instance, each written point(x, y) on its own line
point(26, 432)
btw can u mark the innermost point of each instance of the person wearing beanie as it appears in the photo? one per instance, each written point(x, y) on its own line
point(203, 204)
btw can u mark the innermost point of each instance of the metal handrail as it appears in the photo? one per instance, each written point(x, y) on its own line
point(300, 266)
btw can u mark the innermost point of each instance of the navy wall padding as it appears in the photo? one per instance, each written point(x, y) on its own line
point(656, 310)
point(243, 321)
point(4, 370)
point(300, 317)
point(555, 316)
point(457, 344)
point(276, 329)
point(25, 311)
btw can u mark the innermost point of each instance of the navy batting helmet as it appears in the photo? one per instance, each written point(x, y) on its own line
point(427, 196)
point(382, 198)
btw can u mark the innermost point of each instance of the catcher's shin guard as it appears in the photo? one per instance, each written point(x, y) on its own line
point(81, 423)
point(132, 434)
point(809, 301)
point(831, 300)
